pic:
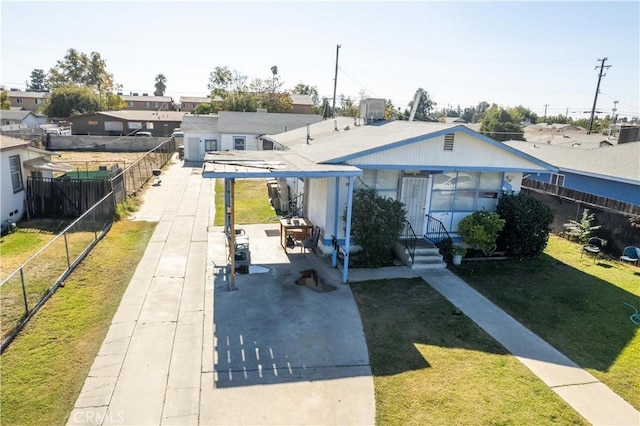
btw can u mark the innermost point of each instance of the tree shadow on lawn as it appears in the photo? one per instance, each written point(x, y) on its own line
point(399, 314)
point(582, 316)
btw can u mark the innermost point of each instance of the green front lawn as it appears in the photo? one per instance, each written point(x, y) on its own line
point(251, 202)
point(433, 366)
point(574, 303)
point(44, 369)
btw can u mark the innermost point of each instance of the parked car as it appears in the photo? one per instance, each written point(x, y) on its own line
point(449, 181)
point(144, 134)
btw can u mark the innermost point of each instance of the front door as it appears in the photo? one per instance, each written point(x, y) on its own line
point(414, 196)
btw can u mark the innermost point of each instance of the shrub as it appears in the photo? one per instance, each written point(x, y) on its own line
point(127, 206)
point(376, 224)
point(527, 226)
point(581, 231)
point(480, 230)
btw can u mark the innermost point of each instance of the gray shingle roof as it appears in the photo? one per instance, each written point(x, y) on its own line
point(262, 123)
point(194, 99)
point(327, 144)
point(200, 124)
point(16, 115)
point(21, 94)
point(8, 142)
point(147, 98)
point(619, 162)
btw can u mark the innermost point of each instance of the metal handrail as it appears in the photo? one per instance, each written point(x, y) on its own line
point(437, 232)
point(409, 240)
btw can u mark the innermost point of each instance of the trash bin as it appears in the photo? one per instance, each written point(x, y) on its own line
point(242, 251)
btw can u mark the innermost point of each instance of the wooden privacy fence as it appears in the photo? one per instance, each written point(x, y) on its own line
point(583, 197)
point(63, 198)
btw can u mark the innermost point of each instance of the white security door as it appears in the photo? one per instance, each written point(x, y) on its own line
point(193, 153)
point(414, 196)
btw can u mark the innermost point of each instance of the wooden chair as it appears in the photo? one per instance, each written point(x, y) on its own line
point(630, 254)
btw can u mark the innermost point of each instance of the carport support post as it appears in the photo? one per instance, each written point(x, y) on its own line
point(227, 197)
point(232, 233)
point(334, 255)
point(347, 237)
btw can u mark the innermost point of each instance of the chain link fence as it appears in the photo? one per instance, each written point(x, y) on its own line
point(27, 288)
point(24, 290)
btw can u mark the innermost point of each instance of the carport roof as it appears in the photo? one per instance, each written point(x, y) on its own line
point(269, 164)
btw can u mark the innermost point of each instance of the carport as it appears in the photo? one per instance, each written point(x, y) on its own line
point(232, 165)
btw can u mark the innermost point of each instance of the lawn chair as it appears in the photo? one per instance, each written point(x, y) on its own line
point(593, 247)
point(312, 242)
point(630, 254)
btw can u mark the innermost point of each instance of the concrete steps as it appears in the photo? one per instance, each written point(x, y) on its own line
point(426, 256)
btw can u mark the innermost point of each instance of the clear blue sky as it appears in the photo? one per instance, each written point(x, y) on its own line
point(509, 53)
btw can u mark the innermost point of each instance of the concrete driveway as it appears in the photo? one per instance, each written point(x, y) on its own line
point(182, 349)
point(284, 353)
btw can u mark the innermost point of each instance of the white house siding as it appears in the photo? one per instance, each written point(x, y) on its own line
point(194, 144)
point(12, 203)
point(468, 153)
point(251, 142)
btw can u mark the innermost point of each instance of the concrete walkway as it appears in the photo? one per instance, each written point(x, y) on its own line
point(182, 349)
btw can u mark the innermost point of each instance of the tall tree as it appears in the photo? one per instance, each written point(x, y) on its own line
point(425, 106)
point(5, 103)
point(500, 125)
point(37, 81)
point(160, 85)
point(220, 81)
point(65, 101)
point(80, 69)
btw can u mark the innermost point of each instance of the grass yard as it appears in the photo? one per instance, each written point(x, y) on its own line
point(434, 367)
point(44, 369)
point(574, 303)
point(252, 202)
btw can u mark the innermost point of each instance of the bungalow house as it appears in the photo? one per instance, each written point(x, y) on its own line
point(190, 103)
point(29, 101)
point(610, 171)
point(440, 172)
point(147, 103)
point(11, 120)
point(123, 123)
point(232, 130)
point(18, 160)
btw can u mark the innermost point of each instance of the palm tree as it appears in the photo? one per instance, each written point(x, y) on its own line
point(160, 85)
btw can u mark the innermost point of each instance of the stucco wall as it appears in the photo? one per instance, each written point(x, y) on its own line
point(104, 143)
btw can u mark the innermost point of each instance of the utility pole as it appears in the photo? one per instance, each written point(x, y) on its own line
point(335, 83)
point(595, 99)
point(545, 112)
point(566, 114)
point(613, 119)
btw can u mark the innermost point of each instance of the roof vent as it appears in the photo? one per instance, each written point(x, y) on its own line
point(347, 127)
point(448, 141)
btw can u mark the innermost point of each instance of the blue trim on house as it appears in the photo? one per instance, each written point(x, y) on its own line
point(277, 174)
point(461, 129)
point(449, 168)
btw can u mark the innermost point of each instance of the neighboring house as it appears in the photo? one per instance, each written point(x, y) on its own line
point(190, 103)
point(459, 120)
point(231, 130)
point(20, 159)
point(122, 123)
point(571, 139)
point(30, 101)
point(302, 104)
point(11, 120)
point(439, 171)
point(148, 103)
point(612, 172)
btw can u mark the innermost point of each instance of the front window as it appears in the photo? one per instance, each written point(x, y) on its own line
point(557, 180)
point(465, 191)
point(210, 145)
point(16, 173)
point(239, 143)
point(19, 100)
